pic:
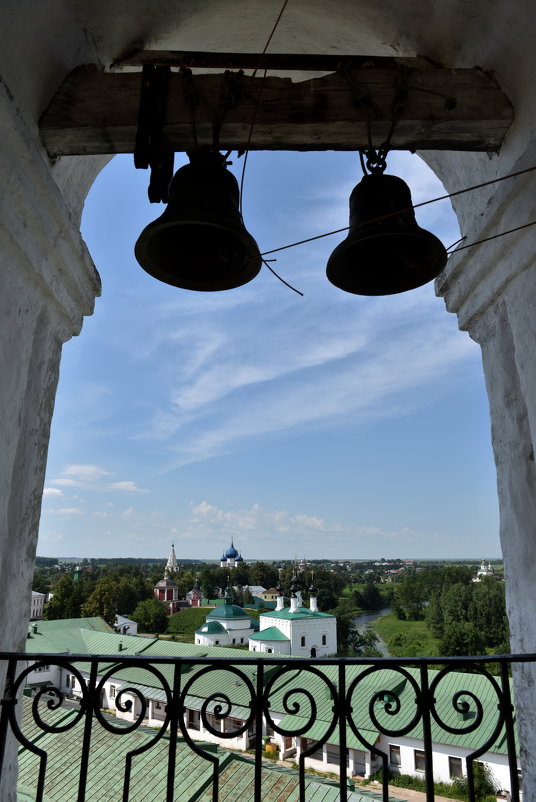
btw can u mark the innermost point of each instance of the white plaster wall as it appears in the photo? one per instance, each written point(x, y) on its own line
point(274, 646)
point(207, 639)
point(311, 628)
point(46, 281)
point(441, 752)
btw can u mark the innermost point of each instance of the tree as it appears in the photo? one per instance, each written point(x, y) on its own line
point(371, 597)
point(461, 638)
point(131, 589)
point(434, 616)
point(60, 605)
point(263, 574)
point(151, 616)
point(488, 612)
point(410, 598)
point(103, 601)
point(208, 583)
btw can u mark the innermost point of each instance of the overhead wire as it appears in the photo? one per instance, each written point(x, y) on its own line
point(417, 206)
point(250, 134)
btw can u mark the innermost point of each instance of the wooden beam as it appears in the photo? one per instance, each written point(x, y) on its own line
point(288, 62)
point(456, 109)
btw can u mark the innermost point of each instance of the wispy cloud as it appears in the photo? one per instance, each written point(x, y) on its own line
point(371, 367)
point(128, 487)
point(92, 477)
point(257, 531)
point(52, 492)
point(67, 512)
point(86, 473)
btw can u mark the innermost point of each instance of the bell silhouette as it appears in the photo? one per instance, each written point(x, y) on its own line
point(388, 255)
point(200, 241)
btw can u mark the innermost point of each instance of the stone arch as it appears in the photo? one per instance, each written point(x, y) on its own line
point(48, 282)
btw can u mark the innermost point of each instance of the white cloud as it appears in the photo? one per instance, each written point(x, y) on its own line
point(86, 473)
point(128, 486)
point(50, 492)
point(68, 512)
point(50, 536)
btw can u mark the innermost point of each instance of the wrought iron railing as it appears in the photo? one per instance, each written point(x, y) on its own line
point(366, 707)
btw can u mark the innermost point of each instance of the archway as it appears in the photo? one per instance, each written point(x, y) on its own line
point(48, 283)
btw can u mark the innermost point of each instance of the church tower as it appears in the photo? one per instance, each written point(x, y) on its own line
point(172, 564)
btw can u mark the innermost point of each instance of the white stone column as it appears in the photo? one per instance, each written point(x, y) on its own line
point(493, 292)
point(47, 284)
point(508, 333)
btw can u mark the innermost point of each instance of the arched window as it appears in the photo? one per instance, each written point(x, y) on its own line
point(313, 652)
point(324, 640)
point(302, 640)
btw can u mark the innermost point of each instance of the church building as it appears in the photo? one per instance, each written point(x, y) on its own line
point(297, 630)
point(226, 625)
point(230, 558)
point(167, 592)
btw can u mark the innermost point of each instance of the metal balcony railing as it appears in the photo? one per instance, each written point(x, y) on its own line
point(170, 713)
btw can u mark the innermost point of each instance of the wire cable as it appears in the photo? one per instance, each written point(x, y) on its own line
point(416, 206)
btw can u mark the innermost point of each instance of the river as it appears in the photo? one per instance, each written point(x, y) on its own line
point(364, 621)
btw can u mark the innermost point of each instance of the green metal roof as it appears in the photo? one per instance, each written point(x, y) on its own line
point(192, 774)
point(391, 680)
point(211, 628)
point(319, 729)
point(228, 611)
point(56, 637)
point(301, 612)
point(271, 633)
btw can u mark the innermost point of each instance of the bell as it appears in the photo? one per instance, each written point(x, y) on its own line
point(200, 241)
point(388, 255)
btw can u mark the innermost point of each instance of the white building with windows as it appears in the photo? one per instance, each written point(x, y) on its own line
point(226, 625)
point(300, 631)
point(405, 754)
point(38, 605)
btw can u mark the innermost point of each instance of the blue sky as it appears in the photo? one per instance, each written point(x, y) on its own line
point(331, 425)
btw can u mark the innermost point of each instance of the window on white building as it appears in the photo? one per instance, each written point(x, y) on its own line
point(324, 640)
point(333, 755)
point(318, 754)
point(455, 767)
point(112, 691)
point(420, 760)
point(302, 640)
point(394, 755)
point(193, 719)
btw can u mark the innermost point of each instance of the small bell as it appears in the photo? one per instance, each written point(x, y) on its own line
point(200, 241)
point(388, 255)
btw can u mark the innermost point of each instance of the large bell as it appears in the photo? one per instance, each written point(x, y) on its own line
point(389, 255)
point(200, 241)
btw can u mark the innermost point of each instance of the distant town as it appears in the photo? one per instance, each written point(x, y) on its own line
point(282, 609)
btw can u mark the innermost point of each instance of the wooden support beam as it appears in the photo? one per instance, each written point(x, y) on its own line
point(446, 109)
point(288, 62)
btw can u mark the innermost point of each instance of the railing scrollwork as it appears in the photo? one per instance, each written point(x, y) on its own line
point(352, 710)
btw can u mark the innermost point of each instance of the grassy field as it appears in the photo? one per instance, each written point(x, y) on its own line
point(406, 638)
